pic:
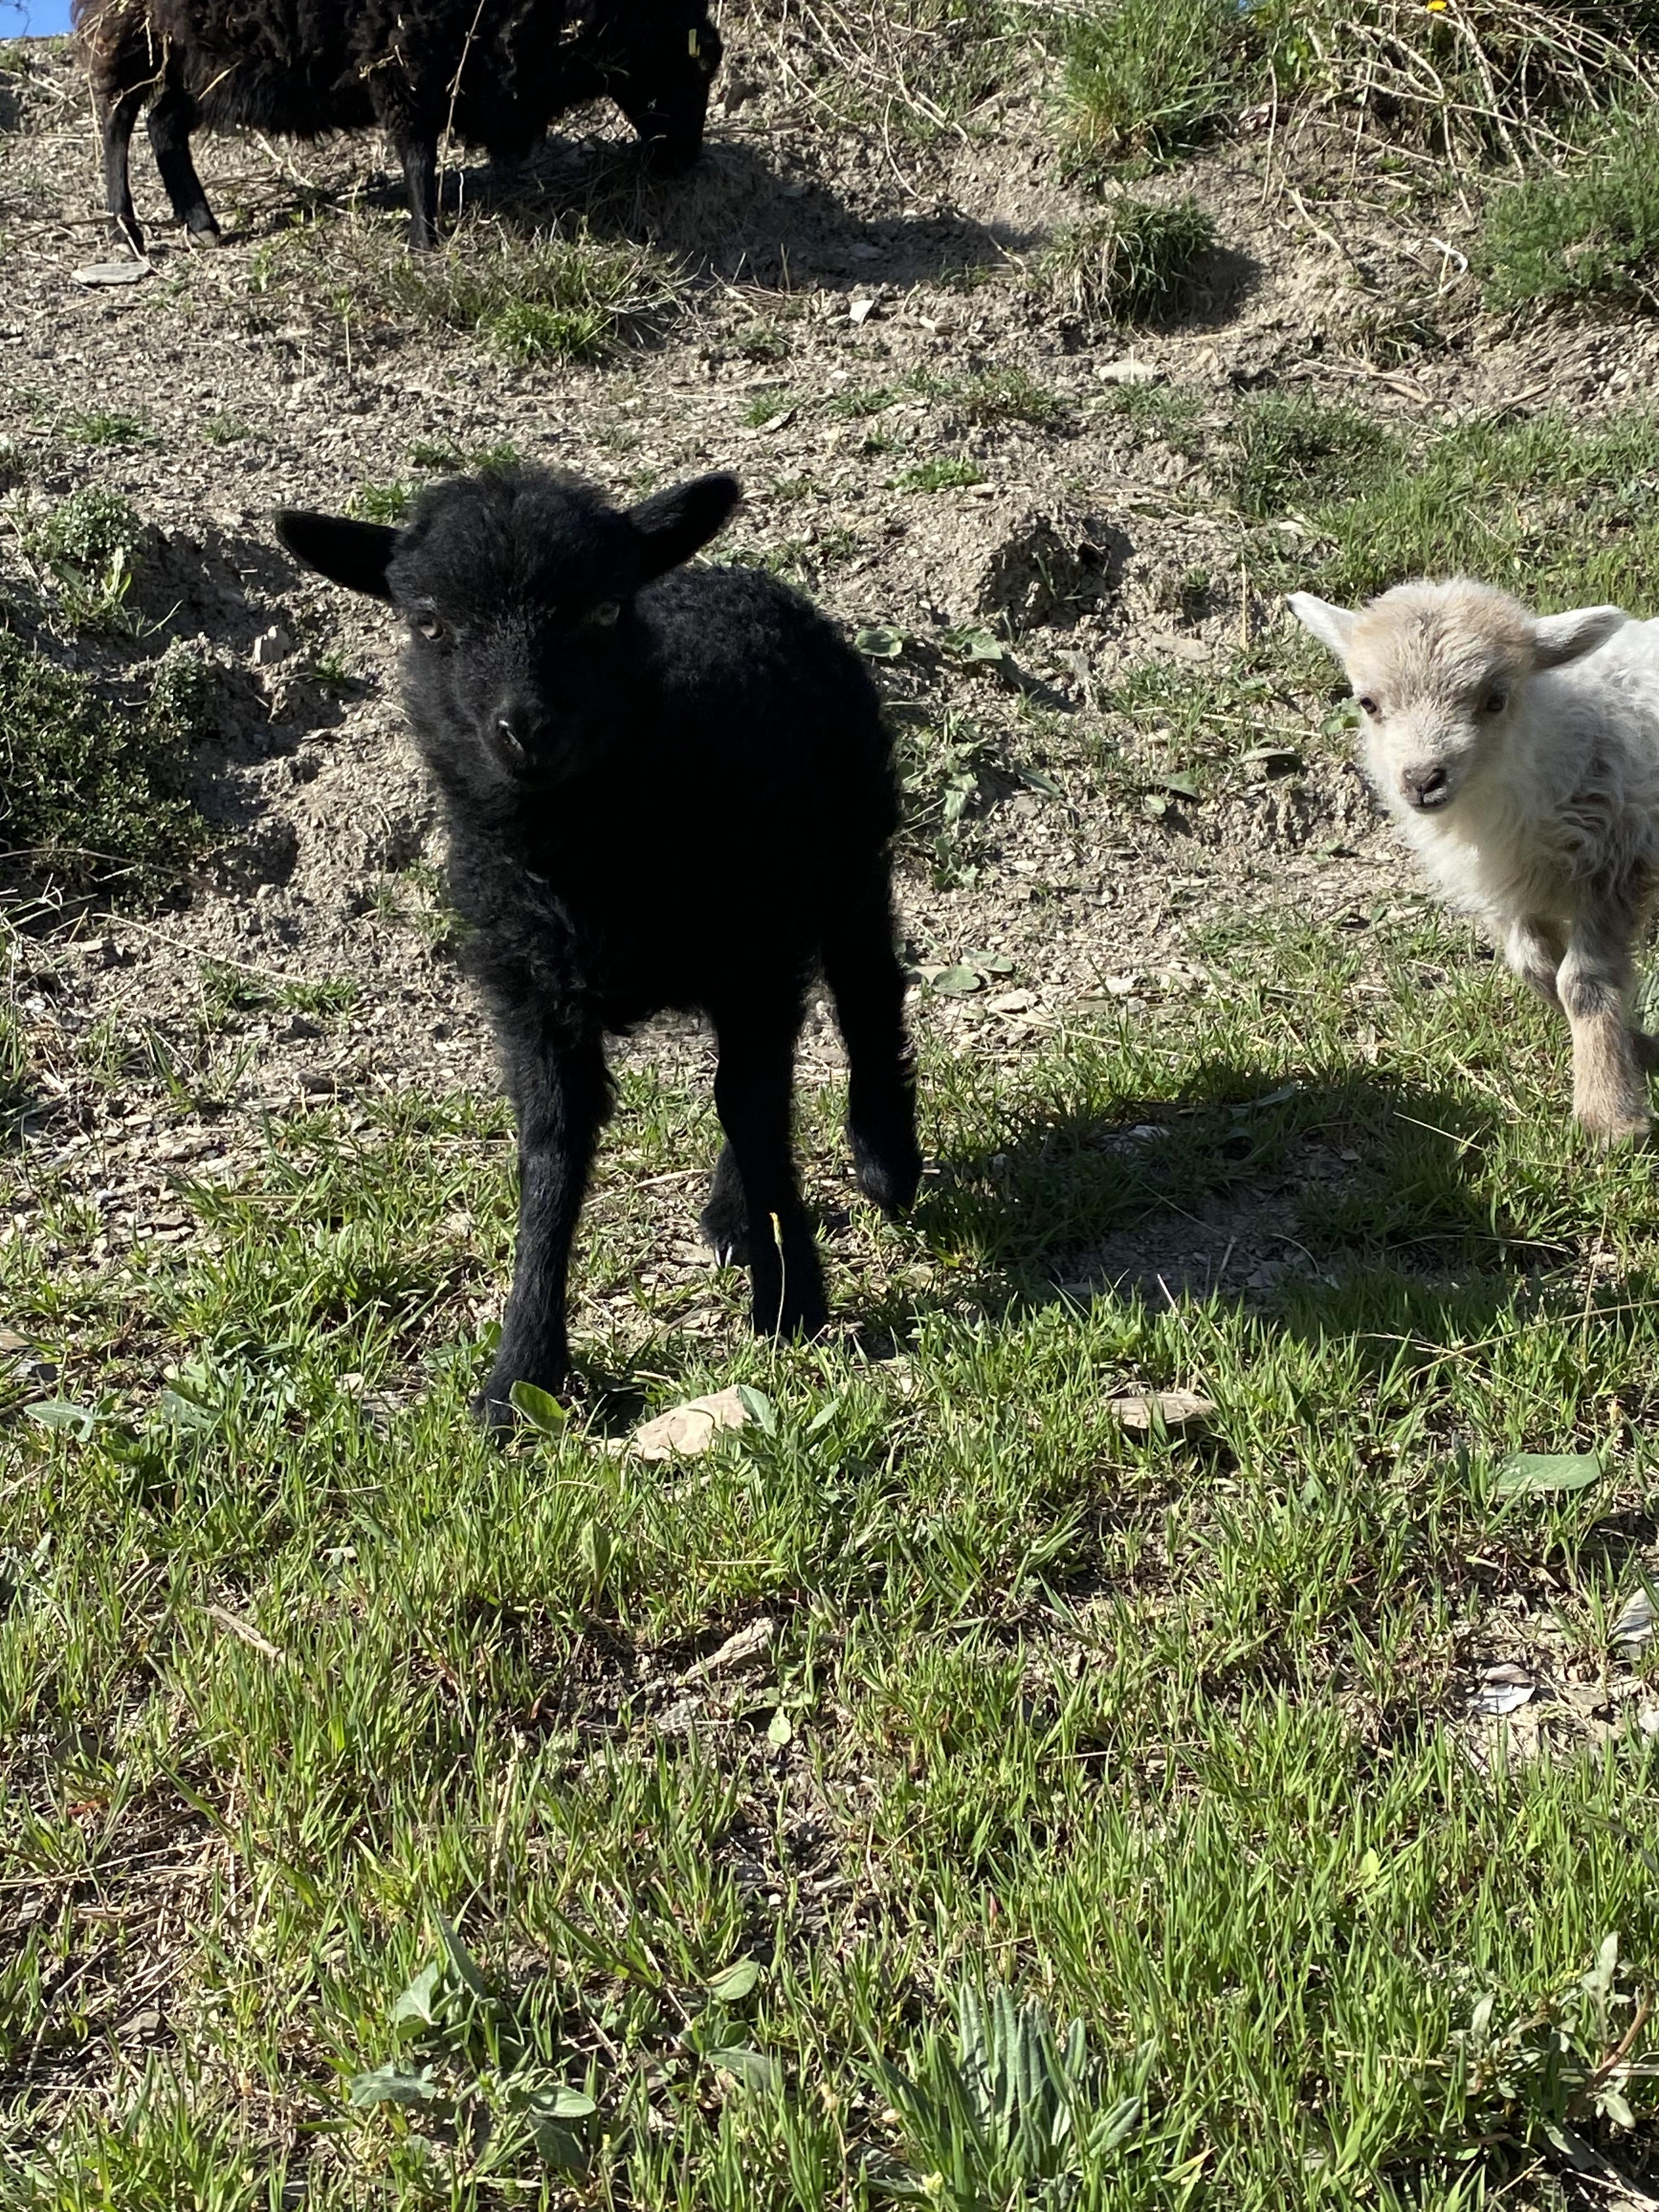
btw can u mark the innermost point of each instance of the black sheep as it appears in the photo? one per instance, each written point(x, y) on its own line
point(494, 71)
point(664, 787)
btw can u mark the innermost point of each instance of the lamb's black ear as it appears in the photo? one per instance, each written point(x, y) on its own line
point(354, 554)
point(673, 525)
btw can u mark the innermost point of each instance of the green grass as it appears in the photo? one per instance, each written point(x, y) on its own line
point(1010, 395)
point(90, 792)
point(1134, 263)
point(382, 502)
point(1588, 235)
point(945, 472)
point(298, 1677)
point(92, 545)
point(1563, 513)
point(1148, 81)
point(103, 427)
point(550, 298)
point(1293, 450)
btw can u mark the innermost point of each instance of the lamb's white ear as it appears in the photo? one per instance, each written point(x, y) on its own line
point(1557, 639)
point(1332, 626)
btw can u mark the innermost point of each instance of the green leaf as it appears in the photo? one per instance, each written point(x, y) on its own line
point(958, 982)
point(752, 2067)
point(881, 643)
point(1184, 786)
point(181, 1411)
point(760, 1409)
point(539, 1407)
point(595, 1550)
point(466, 1966)
point(557, 2103)
point(392, 2085)
point(1034, 778)
point(1526, 1474)
point(779, 1730)
point(992, 963)
point(733, 1983)
point(78, 1421)
point(416, 2009)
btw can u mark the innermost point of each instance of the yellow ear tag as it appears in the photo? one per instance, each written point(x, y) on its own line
point(691, 45)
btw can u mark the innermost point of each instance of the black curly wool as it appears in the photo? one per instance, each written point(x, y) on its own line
point(496, 72)
point(664, 787)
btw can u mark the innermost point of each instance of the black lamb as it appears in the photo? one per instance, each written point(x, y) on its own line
point(664, 787)
point(496, 72)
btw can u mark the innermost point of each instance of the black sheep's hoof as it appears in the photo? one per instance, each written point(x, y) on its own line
point(891, 1176)
point(725, 1230)
point(203, 235)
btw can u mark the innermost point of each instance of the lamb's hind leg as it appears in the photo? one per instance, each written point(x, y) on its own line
point(170, 120)
point(862, 970)
point(1610, 1092)
point(753, 1087)
point(119, 117)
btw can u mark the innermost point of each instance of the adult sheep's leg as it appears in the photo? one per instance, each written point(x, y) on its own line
point(562, 1094)
point(867, 984)
point(752, 1086)
point(1609, 1091)
point(119, 117)
point(419, 157)
point(169, 122)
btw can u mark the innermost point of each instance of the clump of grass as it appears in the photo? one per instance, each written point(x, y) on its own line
point(101, 427)
point(945, 472)
point(229, 990)
point(90, 793)
point(381, 502)
point(1294, 451)
point(761, 342)
point(225, 430)
point(764, 407)
point(1589, 233)
point(1010, 395)
point(91, 544)
point(1172, 412)
point(552, 298)
point(1134, 263)
point(1147, 80)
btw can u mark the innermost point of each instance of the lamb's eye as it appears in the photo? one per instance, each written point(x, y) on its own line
point(429, 624)
point(604, 616)
point(1495, 701)
point(1368, 705)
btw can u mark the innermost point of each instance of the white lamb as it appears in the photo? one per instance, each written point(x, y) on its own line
point(1520, 755)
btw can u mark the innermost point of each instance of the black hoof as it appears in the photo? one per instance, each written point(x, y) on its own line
point(891, 1176)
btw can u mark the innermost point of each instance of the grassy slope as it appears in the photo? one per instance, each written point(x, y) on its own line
point(1171, 1732)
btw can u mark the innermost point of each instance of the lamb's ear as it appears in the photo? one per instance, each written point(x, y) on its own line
point(673, 525)
point(1557, 639)
point(1332, 626)
point(354, 554)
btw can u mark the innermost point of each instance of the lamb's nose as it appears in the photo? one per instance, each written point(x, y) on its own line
point(515, 729)
point(1424, 786)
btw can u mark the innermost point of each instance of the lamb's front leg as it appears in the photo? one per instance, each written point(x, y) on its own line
point(562, 1094)
point(1609, 1089)
point(1534, 950)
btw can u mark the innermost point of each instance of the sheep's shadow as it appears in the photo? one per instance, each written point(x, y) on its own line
point(737, 217)
point(1343, 1203)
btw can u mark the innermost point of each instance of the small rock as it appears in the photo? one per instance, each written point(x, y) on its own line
point(1128, 372)
point(1180, 1412)
point(687, 1429)
point(860, 311)
point(271, 645)
point(1012, 1002)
